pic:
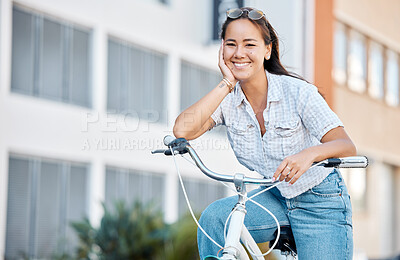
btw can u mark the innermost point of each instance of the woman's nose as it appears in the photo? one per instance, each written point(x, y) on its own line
point(239, 52)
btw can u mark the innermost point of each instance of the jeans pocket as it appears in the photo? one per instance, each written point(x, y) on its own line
point(327, 188)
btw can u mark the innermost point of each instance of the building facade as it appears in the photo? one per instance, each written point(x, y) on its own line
point(366, 97)
point(89, 88)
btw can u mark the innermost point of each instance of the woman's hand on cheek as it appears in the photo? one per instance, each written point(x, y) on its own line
point(226, 72)
point(292, 167)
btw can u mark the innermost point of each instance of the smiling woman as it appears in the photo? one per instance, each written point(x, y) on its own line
point(277, 125)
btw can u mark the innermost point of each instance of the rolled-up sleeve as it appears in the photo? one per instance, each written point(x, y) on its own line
point(315, 113)
point(217, 116)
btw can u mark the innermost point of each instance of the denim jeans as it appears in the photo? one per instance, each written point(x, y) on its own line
point(320, 219)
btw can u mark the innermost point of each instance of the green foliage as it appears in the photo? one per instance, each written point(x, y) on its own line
point(183, 240)
point(124, 233)
point(136, 233)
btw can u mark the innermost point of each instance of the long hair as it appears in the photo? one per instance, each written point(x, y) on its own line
point(273, 65)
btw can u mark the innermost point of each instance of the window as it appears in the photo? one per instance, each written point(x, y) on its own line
point(196, 82)
point(133, 185)
point(354, 62)
point(356, 180)
point(357, 62)
point(50, 59)
point(136, 81)
point(200, 193)
point(375, 70)
point(340, 57)
point(392, 78)
point(44, 196)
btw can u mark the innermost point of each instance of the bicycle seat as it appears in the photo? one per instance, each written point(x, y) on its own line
point(286, 242)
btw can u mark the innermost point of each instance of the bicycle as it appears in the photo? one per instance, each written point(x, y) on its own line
point(237, 231)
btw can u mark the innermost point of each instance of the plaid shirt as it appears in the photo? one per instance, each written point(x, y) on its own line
point(296, 117)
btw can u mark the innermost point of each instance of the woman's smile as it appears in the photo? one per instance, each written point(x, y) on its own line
point(241, 65)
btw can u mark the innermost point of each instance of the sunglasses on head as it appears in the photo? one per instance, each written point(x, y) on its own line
point(252, 14)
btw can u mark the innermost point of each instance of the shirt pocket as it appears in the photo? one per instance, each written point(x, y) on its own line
point(243, 140)
point(285, 138)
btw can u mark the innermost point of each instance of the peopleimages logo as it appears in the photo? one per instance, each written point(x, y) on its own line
point(128, 121)
point(128, 132)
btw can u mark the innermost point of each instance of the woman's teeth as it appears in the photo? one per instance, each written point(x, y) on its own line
point(241, 64)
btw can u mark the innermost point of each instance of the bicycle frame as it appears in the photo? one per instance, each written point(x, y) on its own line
point(237, 231)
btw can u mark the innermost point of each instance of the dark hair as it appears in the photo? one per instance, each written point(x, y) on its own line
point(273, 65)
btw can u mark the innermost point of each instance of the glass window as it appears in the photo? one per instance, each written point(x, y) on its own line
point(375, 70)
point(392, 78)
point(340, 60)
point(44, 196)
point(51, 63)
point(23, 76)
point(132, 185)
point(201, 193)
point(196, 82)
point(136, 81)
point(18, 207)
point(80, 90)
point(50, 59)
point(357, 62)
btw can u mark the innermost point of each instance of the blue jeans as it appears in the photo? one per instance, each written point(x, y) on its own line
point(320, 219)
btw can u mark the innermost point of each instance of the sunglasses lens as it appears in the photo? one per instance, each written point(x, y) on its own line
point(256, 14)
point(234, 13)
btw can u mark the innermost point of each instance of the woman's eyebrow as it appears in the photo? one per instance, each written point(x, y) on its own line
point(249, 40)
point(245, 40)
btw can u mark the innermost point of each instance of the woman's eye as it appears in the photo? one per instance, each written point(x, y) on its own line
point(250, 45)
point(230, 44)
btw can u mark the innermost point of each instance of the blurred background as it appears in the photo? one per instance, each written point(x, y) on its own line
point(88, 88)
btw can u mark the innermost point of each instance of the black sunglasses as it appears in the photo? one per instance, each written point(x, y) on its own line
point(237, 12)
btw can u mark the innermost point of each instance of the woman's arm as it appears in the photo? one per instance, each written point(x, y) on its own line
point(335, 143)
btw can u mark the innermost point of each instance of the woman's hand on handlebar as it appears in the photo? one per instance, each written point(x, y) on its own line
point(225, 70)
point(292, 167)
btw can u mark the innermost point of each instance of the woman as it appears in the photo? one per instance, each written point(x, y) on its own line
point(278, 125)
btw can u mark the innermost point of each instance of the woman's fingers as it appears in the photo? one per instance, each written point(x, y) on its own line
point(285, 173)
point(293, 167)
point(226, 72)
point(282, 171)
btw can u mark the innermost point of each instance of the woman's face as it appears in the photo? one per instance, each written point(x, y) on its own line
point(245, 49)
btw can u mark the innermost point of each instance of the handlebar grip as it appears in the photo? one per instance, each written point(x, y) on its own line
point(347, 162)
point(354, 162)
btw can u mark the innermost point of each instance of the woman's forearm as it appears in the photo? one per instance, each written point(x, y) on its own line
point(336, 143)
point(193, 119)
point(333, 149)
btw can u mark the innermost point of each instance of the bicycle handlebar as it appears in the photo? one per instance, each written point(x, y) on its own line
point(182, 146)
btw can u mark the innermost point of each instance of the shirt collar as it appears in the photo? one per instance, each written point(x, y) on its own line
point(274, 90)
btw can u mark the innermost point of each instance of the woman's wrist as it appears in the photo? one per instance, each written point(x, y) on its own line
point(230, 85)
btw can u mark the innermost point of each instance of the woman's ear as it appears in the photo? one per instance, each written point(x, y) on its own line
point(268, 53)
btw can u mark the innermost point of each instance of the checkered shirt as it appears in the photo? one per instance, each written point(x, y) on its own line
point(296, 117)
